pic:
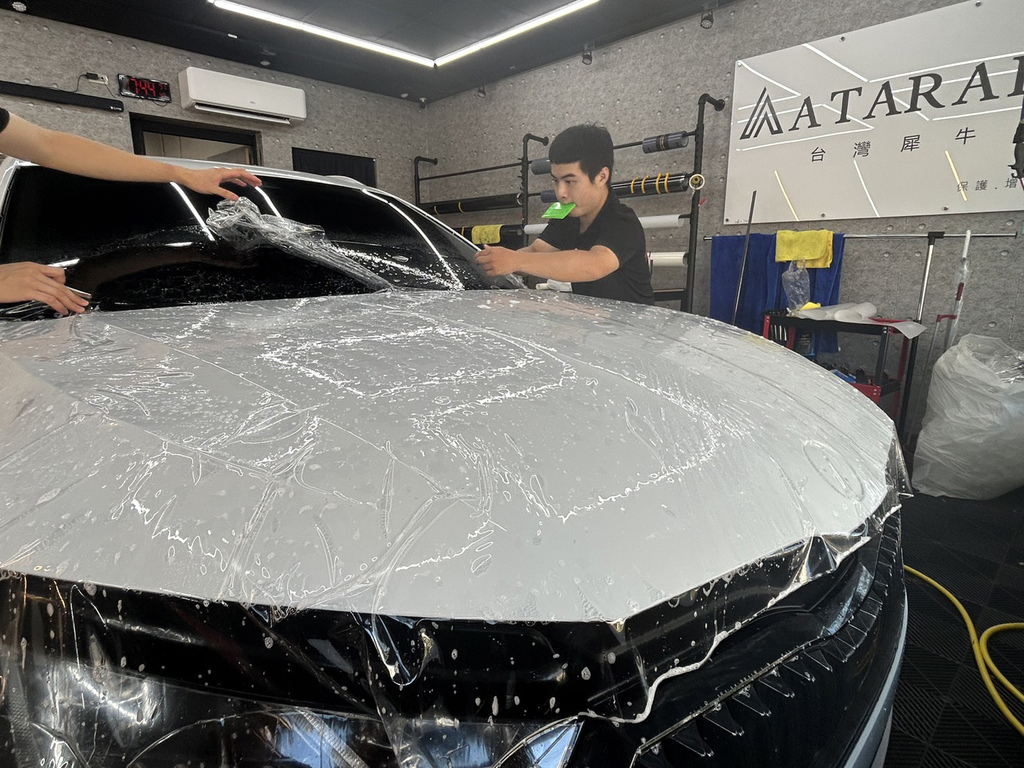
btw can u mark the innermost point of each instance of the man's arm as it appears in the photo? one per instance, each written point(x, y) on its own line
point(539, 246)
point(569, 266)
point(74, 154)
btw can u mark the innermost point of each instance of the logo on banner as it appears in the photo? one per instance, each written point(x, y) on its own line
point(763, 114)
point(924, 87)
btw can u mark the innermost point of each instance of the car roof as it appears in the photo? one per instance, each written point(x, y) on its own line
point(259, 170)
point(10, 163)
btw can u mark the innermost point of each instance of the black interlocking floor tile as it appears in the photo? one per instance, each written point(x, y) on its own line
point(966, 575)
point(1011, 576)
point(935, 625)
point(990, 546)
point(935, 553)
point(917, 708)
point(936, 758)
point(965, 518)
point(927, 674)
point(1007, 599)
point(943, 715)
point(968, 692)
point(1006, 648)
point(905, 751)
point(978, 739)
point(1015, 557)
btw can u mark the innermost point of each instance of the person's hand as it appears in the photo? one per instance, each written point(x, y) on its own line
point(28, 281)
point(495, 260)
point(208, 181)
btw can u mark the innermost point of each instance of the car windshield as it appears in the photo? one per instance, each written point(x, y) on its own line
point(134, 245)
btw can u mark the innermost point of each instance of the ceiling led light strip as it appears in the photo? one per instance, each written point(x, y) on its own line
point(526, 26)
point(312, 29)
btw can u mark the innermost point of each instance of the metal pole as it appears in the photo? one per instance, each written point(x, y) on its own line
point(950, 324)
point(471, 170)
point(698, 167)
point(524, 174)
point(416, 172)
point(932, 237)
point(912, 359)
point(743, 263)
point(958, 302)
point(948, 236)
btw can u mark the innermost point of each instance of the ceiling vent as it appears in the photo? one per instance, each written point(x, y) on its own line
point(207, 91)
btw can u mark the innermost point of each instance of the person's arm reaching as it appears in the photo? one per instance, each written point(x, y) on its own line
point(28, 281)
point(74, 154)
point(544, 261)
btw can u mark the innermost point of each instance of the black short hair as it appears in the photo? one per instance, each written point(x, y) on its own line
point(589, 145)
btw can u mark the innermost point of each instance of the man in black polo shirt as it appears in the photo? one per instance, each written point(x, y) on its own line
point(600, 247)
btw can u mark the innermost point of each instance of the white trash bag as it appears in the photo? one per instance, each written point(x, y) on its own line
point(971, 444)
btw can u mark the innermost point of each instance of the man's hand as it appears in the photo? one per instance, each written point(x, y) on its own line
point(495, 260)
point(208, 181)
point(28, 281)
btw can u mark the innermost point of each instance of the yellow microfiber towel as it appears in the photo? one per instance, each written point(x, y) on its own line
point(813, 247)
point(487, 234)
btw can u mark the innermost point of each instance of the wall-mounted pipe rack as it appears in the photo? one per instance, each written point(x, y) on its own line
point(488, 202)
point(665, 221)
point(524, 173)
point(641, 186)
point(474, 204)
point(663, 183)
point(507, 235)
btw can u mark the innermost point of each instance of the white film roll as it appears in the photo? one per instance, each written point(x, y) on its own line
point(667, 258)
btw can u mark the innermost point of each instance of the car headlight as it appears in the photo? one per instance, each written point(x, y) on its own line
point(104, 677)
point(446, 741)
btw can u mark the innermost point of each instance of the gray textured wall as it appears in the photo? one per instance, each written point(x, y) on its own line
point(642, 86)
point(340, 119)
point(650, 84)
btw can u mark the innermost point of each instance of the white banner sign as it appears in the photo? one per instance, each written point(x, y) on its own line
point(909, 118)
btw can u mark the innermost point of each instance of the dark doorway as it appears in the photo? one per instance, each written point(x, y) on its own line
point(362, 169)
point(195, 141)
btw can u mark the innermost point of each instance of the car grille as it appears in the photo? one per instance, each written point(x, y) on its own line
point(806, 710)
point(100, 677)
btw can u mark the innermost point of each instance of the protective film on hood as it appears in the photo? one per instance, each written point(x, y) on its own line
point(567, 504)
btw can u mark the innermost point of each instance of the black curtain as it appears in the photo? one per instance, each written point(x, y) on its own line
point(362, 169)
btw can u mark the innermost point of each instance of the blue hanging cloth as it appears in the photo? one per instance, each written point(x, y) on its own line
point(762, 282)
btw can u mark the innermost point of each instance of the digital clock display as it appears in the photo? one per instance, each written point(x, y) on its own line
point(142, 88)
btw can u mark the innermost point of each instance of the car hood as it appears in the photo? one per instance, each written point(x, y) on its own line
point(500, 455)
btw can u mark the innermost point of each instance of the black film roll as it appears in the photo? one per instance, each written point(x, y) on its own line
point(665, 141)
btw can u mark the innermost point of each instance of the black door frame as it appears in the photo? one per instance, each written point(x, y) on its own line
point(366, 170)
point(142, 123)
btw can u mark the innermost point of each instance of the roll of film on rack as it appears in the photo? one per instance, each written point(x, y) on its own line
point(540, 167)
point(665, 142)
point(657, 184)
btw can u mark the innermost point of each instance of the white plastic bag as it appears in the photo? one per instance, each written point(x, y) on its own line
point(797, 285)
point(971, 444)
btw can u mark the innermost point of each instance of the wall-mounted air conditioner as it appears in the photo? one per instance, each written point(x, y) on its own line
point(208, 91)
